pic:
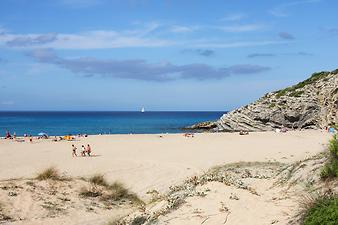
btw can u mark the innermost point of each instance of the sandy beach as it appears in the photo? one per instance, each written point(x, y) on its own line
point(149, 161)
point(155, 162)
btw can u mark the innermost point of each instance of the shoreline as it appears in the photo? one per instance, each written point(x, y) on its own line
point(184, 131)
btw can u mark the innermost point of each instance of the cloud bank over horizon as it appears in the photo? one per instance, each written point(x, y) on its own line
point(141, 70)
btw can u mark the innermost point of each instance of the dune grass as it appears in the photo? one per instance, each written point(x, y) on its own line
point(98, 179)
point(100, 187)
point(50, 173)
point(3, 215)
point(330, 169)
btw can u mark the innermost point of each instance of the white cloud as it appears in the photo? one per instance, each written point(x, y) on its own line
point(96, 39)
point(236, 44)
point(233, 17)
point(281, 10)
point(241, 28)
point(183, 29)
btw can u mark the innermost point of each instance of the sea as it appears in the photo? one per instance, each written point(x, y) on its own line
point(112, 122)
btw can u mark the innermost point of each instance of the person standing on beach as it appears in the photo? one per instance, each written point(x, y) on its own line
point(8, 135)
point(30, 139)
point(74, 151)
point(89, 150)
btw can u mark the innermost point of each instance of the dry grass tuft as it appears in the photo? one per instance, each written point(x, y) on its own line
point(99, 187)
point(3, 215)
point(50, 173)
point(91, 192)
point(98, 179)
point(118, 191)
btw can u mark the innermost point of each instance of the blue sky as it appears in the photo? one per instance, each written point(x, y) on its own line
point(163, 55)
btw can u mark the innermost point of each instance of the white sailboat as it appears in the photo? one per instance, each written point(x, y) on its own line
point(142, 110)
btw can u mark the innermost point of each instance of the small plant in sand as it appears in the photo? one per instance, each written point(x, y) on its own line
point(330, 169)
point(50, 173)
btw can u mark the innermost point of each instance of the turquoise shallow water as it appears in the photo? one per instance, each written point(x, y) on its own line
point(61, 123)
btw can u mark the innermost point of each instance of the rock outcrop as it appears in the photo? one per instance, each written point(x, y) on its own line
point(312, 103)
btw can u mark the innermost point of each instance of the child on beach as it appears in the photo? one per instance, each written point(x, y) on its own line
point(74, 151)
point(83, 152)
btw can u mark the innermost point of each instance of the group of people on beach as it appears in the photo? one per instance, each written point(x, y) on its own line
point(8, 135)
point(84, 150)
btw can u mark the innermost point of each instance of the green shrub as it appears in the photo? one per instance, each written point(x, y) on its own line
point(296, 94)
point(314, 77)
point(323, 211)
point(330, 169)
point(335, 71)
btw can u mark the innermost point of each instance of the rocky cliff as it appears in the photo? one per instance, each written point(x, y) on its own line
point(312, 103)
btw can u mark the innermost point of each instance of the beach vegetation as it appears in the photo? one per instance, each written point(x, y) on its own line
point(50, 173)
point(4, 217)
point(117, 191)
point(98, 179)
point(296, 94)
point(323, 210)
point(292, 90)
point(335, 71)
point(100, 187)
point(330, 168)
point(90, 192)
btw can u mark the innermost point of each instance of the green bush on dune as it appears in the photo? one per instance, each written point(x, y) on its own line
point(330, 169)
point(323, 211)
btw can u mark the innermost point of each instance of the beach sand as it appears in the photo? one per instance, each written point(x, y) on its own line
point(148, 162)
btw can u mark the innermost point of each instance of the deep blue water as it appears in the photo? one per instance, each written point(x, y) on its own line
point(61, 123)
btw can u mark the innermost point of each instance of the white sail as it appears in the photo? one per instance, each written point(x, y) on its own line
point(142, 110)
